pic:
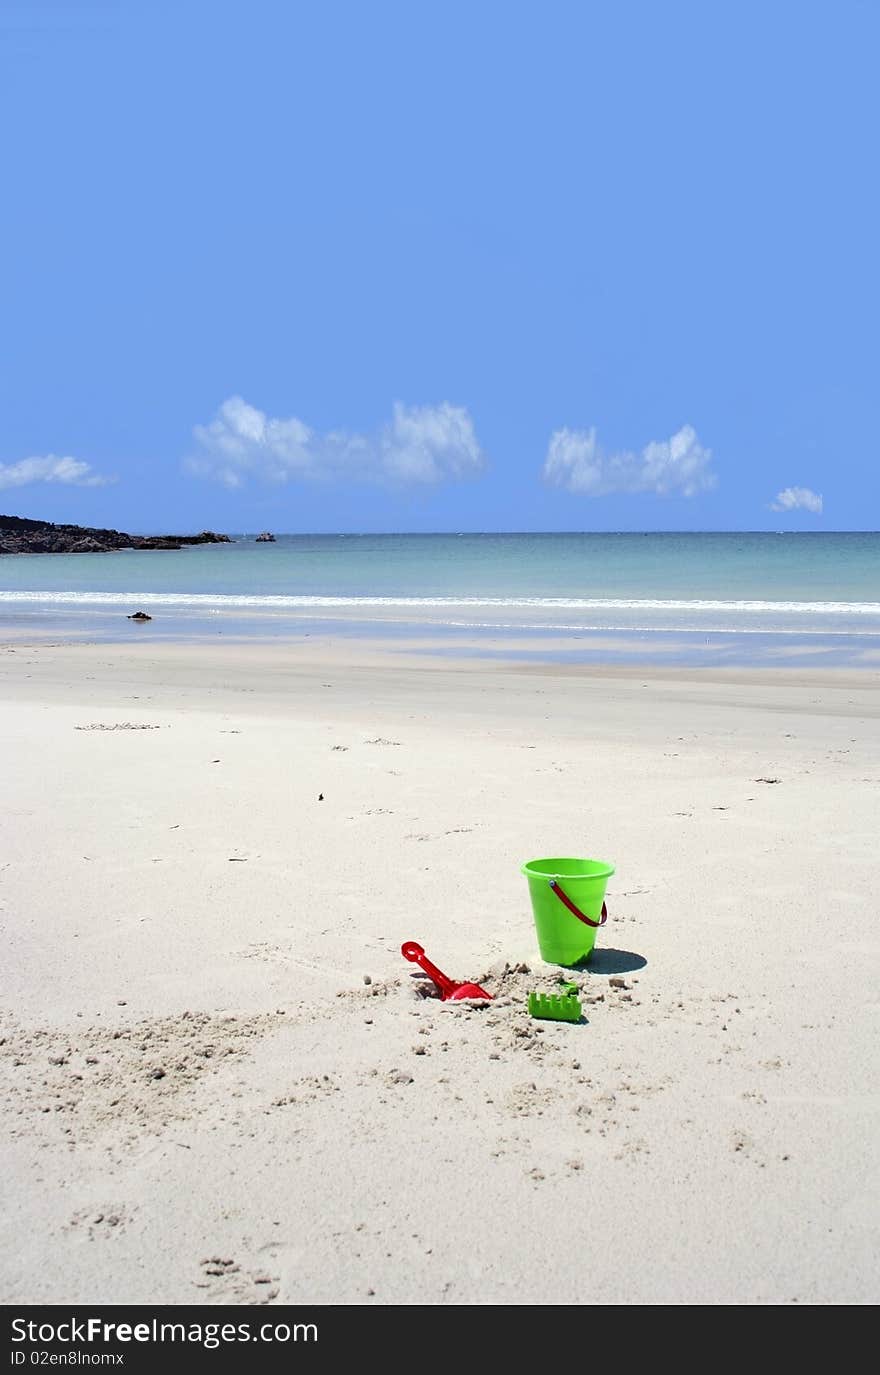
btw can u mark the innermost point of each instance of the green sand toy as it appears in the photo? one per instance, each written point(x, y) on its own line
point(568, 903)
point(551, 1007)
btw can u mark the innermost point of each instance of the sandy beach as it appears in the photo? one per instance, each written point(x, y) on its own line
point(222, 1083)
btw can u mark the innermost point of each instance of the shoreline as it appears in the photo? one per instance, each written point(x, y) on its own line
point(308, 655)
point(711, 651)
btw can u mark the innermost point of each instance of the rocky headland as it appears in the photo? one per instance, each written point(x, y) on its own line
point(18, 535)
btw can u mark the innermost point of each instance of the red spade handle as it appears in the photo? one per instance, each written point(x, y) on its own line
point(412, 951)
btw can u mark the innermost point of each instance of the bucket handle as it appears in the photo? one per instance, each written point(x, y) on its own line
point(576, 911)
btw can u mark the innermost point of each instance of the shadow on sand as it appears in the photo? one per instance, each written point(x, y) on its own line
point(605, 961)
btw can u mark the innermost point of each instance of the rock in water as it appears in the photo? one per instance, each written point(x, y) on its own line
point(140, 616)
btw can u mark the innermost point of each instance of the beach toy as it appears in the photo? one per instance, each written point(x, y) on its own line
point(450, 991)
point(568, 904)
point(553, 1007)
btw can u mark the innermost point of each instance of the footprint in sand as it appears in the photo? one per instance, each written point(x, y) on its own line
point(224, 1281)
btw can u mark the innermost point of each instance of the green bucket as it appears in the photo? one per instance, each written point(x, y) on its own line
point(568, 902)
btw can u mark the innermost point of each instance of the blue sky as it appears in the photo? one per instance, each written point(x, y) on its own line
point(440, 266)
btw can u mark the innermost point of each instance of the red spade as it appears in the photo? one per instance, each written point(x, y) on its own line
point(449, 991)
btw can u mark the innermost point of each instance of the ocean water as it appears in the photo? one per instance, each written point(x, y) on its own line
point(701, 597)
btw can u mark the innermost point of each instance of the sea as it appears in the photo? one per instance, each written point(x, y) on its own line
point(684, 598)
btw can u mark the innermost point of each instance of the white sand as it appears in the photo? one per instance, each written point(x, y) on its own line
point(709, 1135)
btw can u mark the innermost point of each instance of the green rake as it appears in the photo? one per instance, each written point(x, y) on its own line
point(552, 1007)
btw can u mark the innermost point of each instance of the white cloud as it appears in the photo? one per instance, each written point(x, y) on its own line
point(419, 445)
point(72, 471)
point(797, 499)
point(680, 464)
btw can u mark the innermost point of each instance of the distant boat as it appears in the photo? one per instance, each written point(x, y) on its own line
point(265, 538)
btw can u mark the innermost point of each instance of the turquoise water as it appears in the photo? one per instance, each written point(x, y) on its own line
point(810, 587)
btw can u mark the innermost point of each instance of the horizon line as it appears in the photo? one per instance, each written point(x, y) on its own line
point(427, 534)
